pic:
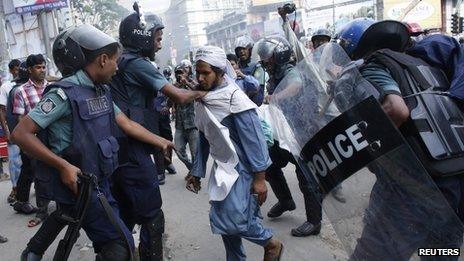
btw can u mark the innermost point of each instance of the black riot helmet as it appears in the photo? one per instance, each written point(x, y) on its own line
point(70, 45)
point(138, 31)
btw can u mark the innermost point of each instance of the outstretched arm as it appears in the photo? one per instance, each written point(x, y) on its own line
point(138, 132)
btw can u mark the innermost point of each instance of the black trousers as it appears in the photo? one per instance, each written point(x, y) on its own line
point(165, 132)
point(275, 176)
point(26, 177)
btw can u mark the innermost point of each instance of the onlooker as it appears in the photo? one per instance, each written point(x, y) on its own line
point(26, 98)
point(13, 156)
point(186, 132)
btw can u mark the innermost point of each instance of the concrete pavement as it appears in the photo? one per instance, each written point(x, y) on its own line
point(188, 235)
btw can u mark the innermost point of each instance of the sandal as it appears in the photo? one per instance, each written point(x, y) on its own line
point(34, 222)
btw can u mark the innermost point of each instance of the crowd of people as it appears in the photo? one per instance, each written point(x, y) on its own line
point(106, 126)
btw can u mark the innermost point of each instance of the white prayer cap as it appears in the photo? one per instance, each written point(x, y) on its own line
point(216, 57)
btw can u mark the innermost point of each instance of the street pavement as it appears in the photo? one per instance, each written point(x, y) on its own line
point(188, 235)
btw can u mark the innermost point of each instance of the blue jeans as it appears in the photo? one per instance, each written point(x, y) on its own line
point(181, 139)
point(14, 163)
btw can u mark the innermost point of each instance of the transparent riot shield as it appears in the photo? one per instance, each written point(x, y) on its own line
point(394, 209)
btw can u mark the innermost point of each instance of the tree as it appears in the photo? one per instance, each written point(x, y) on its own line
point(103, 14)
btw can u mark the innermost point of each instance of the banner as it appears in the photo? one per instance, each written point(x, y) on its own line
point(427, 13)
point(27, 6)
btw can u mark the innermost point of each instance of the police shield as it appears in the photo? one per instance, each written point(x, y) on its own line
point(393, 209)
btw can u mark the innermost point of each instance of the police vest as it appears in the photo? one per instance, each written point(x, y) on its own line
point(435, 130)
point(145, 116)
point(251, 69)
point(93, 149)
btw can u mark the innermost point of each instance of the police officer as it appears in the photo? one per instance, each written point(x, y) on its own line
point(275, 53)
point(186, 65)
point(381, 45)
point(167, 72)
point(76, 119)
point(321, 37)
point(243, 50)
point(134, 88)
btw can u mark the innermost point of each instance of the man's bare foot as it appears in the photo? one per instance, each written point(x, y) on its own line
point(273, 250)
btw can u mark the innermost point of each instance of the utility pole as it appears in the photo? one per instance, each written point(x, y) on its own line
point(46, 36)
point(4, 48)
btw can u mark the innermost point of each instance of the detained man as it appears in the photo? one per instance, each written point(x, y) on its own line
point(230, 131)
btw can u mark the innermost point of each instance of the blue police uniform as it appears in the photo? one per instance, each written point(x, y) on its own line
point(69, 114)
point(135, 182)
point(257, 71)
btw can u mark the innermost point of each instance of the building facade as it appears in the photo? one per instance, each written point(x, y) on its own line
point(186, 21)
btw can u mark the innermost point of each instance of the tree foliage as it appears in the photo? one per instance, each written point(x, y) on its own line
point(103, 14)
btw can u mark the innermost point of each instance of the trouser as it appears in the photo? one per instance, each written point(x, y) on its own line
point(96, 225)
point(275, 176)
point(165, 132)
point(42, 205)
point(26, 177)
point(234, 247)
point(135, 187)
point(14, 163)
point(394, 216)
point(182, 138)
point(238, 217)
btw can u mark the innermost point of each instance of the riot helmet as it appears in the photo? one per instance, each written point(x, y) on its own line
point(350, 35)
point(244, 42)
point(138, 31)
point(70, 45)
point(275, 53)
point(277, 47)
point(389, 34)
point(323, 33)
point(167, 71)
point(187, 66)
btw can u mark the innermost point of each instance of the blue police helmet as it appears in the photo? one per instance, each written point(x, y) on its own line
point(350, 35)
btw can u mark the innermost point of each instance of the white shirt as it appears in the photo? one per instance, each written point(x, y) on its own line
point(5, 91)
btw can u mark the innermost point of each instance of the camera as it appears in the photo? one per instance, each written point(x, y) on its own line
point(289, 8)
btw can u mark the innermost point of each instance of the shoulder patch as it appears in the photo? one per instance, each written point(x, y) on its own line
point(62, 94)
point(47, 106)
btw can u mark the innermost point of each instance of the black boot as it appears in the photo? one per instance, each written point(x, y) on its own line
point(280, 207)
point(338, 194)
point(24, 208)
point(161, 179)
point(171, 169)
point(306, 229)
point(27, 255)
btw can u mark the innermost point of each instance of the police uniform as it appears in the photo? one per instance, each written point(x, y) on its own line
point(77, 122)
point(275, 176)
point(257, 71)
point(387, 206)
point(135, 182)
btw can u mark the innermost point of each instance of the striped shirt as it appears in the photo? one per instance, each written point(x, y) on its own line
point(27, 96)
